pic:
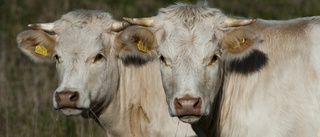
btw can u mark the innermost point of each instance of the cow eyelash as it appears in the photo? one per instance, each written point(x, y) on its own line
point(213, 60)
point(163, 59)
point(98, 57)
point(56, 58)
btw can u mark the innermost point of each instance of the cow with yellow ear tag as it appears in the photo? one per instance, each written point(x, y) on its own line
point(238, 77)
point(99, 75)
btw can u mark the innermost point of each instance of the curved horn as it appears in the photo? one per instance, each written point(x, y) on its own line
point(42, 26)
point(119, 25)
point(149, 21)
point(232, 22)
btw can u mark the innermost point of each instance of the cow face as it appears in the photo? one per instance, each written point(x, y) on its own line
point(191, 41)
point(188, 71)
point(86, 56)
point(86, 68)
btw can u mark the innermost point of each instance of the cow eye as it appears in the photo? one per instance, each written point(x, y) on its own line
point(213, 60)
point(56, 58)
point(98, 57)
point(163, 59)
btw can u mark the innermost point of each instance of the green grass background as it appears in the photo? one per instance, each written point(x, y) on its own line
point(26, 88)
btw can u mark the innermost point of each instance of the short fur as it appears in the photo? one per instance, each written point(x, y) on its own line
point(127, 100)
point(269, 89)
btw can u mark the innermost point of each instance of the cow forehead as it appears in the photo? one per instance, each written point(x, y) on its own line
point(84, 18)
point(182, 50)
point(82, 41)
point(189, 31)
point(81, 31)
point(182, 43)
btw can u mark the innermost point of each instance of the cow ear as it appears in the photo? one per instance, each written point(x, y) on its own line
point(240, 41)
point(136, 45)
point(36, 44)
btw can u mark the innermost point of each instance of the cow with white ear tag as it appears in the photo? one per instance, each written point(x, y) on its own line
point(100, 78)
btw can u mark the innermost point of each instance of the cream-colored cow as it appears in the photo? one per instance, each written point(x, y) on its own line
point(100, 77)
point(239, 77)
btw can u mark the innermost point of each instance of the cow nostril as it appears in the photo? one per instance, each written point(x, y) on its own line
point(177, 104)
point(74, 96)
point(197, 104)
point(57, 97)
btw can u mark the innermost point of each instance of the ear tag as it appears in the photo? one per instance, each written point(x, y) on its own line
point(142, 47)
point(243, 40)
point(40, 49)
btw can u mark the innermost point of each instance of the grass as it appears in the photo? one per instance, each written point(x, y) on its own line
point(26, 88)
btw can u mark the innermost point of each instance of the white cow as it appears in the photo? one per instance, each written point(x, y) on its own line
point(100, 77)
point(233, 80)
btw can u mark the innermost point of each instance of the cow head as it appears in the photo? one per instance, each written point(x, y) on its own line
point(86, 47)
point(192, 40)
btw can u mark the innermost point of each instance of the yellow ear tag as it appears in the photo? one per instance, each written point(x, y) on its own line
point(40, 49)
point(142, 47)
point(243, 40)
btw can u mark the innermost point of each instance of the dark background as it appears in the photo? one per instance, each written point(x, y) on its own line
point(26, 88)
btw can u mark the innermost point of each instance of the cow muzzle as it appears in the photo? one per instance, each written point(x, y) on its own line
point(67, 102)
point(188, 108)
point(67, 99)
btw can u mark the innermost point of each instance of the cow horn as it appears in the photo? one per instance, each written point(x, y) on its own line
point(232, 22)
point(42, 26)
point(149, 21)
point(119, 25)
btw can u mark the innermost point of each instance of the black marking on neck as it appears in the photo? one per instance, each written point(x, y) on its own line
point(134, 60)
point(250, 64)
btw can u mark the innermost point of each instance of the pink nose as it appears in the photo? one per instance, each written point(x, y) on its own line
point(188, 106)
point(67, 99)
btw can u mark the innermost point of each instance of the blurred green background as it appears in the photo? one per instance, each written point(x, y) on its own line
point(26, 88)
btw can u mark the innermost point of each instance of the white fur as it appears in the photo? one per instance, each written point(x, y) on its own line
point(279, 100)
point(128, 101)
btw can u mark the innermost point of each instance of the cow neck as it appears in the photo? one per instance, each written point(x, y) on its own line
point(233, 92)
point(111, 116)
point(232, 89)
point(139, 98)
point(139, 95)
point(139, 107)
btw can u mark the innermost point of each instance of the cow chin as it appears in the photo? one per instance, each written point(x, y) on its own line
point(71, 111)
point(189, 119)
